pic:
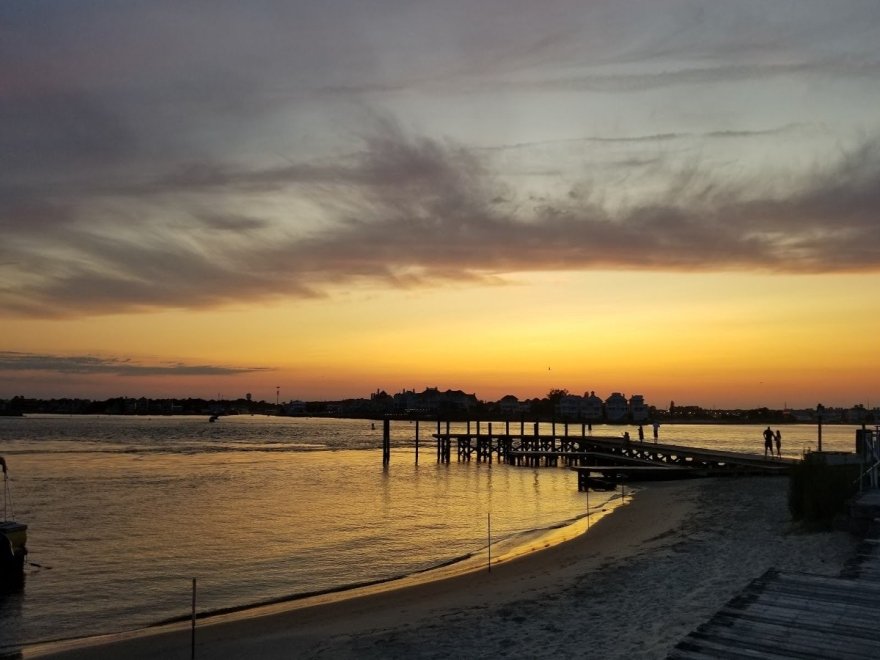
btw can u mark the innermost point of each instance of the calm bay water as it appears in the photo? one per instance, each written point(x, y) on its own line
point(125, 511)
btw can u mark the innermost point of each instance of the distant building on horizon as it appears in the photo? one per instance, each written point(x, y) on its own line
point(638, 410)
point(433, 401)
point(592, 407)
point(509, 405)
point(616, 407)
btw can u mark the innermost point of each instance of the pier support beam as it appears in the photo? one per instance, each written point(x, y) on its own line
point(386, 441)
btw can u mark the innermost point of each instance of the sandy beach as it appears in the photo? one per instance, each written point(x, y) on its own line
point(631, 587)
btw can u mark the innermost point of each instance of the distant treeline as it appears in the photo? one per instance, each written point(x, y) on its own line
point(540, 409)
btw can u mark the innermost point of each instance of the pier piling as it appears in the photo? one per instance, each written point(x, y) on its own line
point(386, 441)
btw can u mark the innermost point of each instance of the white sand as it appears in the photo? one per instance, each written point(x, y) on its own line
point(632, 587)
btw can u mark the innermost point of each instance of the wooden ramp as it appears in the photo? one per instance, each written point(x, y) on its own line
point(792, 615)
point(796, 615)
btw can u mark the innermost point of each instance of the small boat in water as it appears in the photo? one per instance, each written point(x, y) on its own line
point(13, 535)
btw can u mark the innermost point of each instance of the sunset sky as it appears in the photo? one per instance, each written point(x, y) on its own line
point(674, 198)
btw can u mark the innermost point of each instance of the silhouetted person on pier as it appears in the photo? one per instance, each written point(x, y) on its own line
point(778, 439)
point(768, 442)
point(656, 426)
point(641, 433)
point(626, 437)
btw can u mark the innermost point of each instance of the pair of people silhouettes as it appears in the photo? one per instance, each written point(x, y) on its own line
point(771, 438)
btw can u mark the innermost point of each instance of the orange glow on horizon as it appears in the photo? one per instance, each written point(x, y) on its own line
point(716, 339)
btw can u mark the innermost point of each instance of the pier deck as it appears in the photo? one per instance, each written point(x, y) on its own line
point(613, 459)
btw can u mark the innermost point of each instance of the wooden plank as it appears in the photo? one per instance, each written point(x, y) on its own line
point(793, 615)
point(804, 610)
point(723, 649)
point(861, 628)
point(785, 634)
point(690, 649)
point(758, 640)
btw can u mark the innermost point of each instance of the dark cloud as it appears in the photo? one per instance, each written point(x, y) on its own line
point(12, 361)
point(412, 211)
point(138, 142)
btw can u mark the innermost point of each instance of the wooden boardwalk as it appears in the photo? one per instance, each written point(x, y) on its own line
point(608, 458)
point(797, 615)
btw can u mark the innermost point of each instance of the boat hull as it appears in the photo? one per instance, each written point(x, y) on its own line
point(13, 548)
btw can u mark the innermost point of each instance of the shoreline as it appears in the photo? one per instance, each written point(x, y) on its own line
point(355, 609)
point(632, 587)
point(522, 544)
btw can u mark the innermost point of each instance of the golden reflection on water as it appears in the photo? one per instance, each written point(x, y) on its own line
point(126, 521)
point(123, 513)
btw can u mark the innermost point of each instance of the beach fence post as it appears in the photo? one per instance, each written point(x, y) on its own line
point(192, 650)
point(587, 490)
point(489, 531)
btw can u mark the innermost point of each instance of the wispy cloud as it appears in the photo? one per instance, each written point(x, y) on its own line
point(12, 361)
point(652, 138)
point(410, 211)
point(155, 160)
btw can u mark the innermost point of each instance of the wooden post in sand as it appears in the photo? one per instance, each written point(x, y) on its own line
point(489, 531)
point(587, 491)
point(192, 650)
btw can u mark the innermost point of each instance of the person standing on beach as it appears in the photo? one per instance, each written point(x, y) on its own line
point(778, 439)
point(641, 433)
point(656, 426)
point(768, 442)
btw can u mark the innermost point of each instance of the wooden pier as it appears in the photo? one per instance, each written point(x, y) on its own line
point(606, 459)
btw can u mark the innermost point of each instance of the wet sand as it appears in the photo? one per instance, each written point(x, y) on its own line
point(631, 587)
